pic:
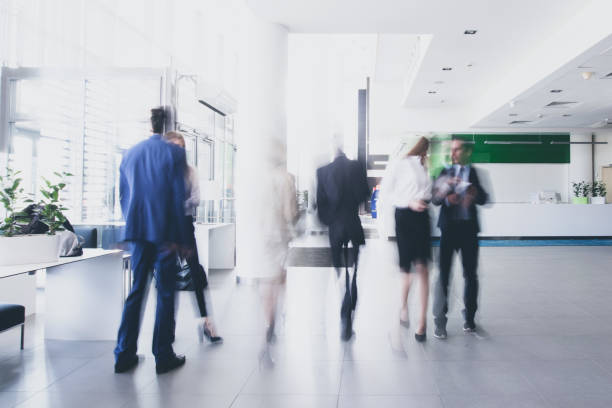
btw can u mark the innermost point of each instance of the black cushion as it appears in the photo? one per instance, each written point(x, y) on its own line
point(11, 315)
point(89, 234)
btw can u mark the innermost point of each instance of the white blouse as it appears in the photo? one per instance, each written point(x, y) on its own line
point(192, 190)
point(405, 181)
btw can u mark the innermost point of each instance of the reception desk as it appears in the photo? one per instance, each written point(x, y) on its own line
point(84, 294)
point(541, 220)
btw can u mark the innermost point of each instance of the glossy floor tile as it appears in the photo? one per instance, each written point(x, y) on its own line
point(544, 325)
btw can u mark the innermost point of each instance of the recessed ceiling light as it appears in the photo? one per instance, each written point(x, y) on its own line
point(556, 90)
point(470, 32)
point(587, 75)
point(566, 115)
point(446, 69)
point(431, 92)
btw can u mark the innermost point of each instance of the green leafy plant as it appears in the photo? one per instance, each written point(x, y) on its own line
point(581, 189)
point(11, 194)
point(51, 209)
point(598, 189)
point(586, 189)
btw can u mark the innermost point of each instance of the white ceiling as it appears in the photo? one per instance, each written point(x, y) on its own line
point(593, 97)
point(508, 32)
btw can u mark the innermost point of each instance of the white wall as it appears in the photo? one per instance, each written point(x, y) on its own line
point(325, 74)
point(514, 183)
point(581, 160)
point(603, 153)
point(507, 183)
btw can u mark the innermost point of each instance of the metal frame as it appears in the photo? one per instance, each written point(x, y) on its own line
point(22, 332)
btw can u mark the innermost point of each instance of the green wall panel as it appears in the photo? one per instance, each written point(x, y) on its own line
point(503, 153)
point(517, 153)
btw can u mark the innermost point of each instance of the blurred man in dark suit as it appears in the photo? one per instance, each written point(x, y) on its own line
point(342, 186)
point(152, 194)
point(458, 190)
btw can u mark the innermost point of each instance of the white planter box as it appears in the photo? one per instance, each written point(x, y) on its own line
point(598, 200)
point(29, 249)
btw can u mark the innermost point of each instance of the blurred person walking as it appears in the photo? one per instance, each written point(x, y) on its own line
point(152, 195)
point(407, 187)
point(342, 186)
point(206, 328)
point(458, 190)
point(278, 212)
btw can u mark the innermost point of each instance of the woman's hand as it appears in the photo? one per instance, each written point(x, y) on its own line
point(418, 205)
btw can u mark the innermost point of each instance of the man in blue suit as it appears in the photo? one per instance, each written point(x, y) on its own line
point(152, 194)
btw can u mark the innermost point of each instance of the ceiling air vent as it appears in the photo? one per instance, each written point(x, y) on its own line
point(602, 124)
point(519, 122)
point(560, 104)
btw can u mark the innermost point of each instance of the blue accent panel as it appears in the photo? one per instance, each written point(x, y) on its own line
point(539, 242)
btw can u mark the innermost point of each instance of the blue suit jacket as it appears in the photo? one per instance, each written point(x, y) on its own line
point(152, 192)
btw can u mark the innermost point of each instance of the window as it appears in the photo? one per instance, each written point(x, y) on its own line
point(45, 127)
point(208, 132)
point(80, 126)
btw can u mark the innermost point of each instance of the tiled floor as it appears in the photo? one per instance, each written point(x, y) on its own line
point(545, 321)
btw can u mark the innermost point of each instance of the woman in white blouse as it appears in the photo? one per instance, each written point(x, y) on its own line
point(407, 187)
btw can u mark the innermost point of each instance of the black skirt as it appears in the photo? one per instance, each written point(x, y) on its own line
point(413, 233)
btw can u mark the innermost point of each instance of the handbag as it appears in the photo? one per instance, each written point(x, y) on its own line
point(184, 280)
point(184, 276)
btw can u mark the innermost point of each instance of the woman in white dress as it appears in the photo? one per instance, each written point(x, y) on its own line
point(407, 187)
point(277, 209)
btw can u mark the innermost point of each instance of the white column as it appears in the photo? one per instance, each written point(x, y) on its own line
point(581, 161)
point(261, 120)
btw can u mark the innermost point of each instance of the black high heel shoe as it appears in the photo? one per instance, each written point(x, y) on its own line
point(422, 336)
point(204, 331)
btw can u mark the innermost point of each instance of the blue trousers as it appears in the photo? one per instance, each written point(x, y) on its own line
point(145, 258)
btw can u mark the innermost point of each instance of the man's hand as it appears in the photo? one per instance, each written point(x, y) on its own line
point(453, 198)
point(418, 205)
point(470, 196)
point(184, 251)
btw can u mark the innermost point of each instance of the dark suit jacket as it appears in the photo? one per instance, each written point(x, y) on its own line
point(152, 192)
point(342, 186)
point(448, 212)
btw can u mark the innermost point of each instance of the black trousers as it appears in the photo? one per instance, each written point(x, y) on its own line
point(198, 275)
point(460, 236)
point(340, 251)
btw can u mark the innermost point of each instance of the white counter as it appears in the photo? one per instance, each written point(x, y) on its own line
point(84, 294)
point(530, 220)
point(541, 220)
point(216, 245)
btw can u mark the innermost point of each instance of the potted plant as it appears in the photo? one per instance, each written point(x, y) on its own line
point(581, 192)
point(17, 245)
point(598, 191)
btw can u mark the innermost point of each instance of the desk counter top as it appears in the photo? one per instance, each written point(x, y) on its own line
point(88, 253)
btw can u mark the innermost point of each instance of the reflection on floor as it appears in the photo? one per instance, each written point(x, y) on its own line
point(544, 342)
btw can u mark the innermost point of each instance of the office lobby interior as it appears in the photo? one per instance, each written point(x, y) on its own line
point(525, 85)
